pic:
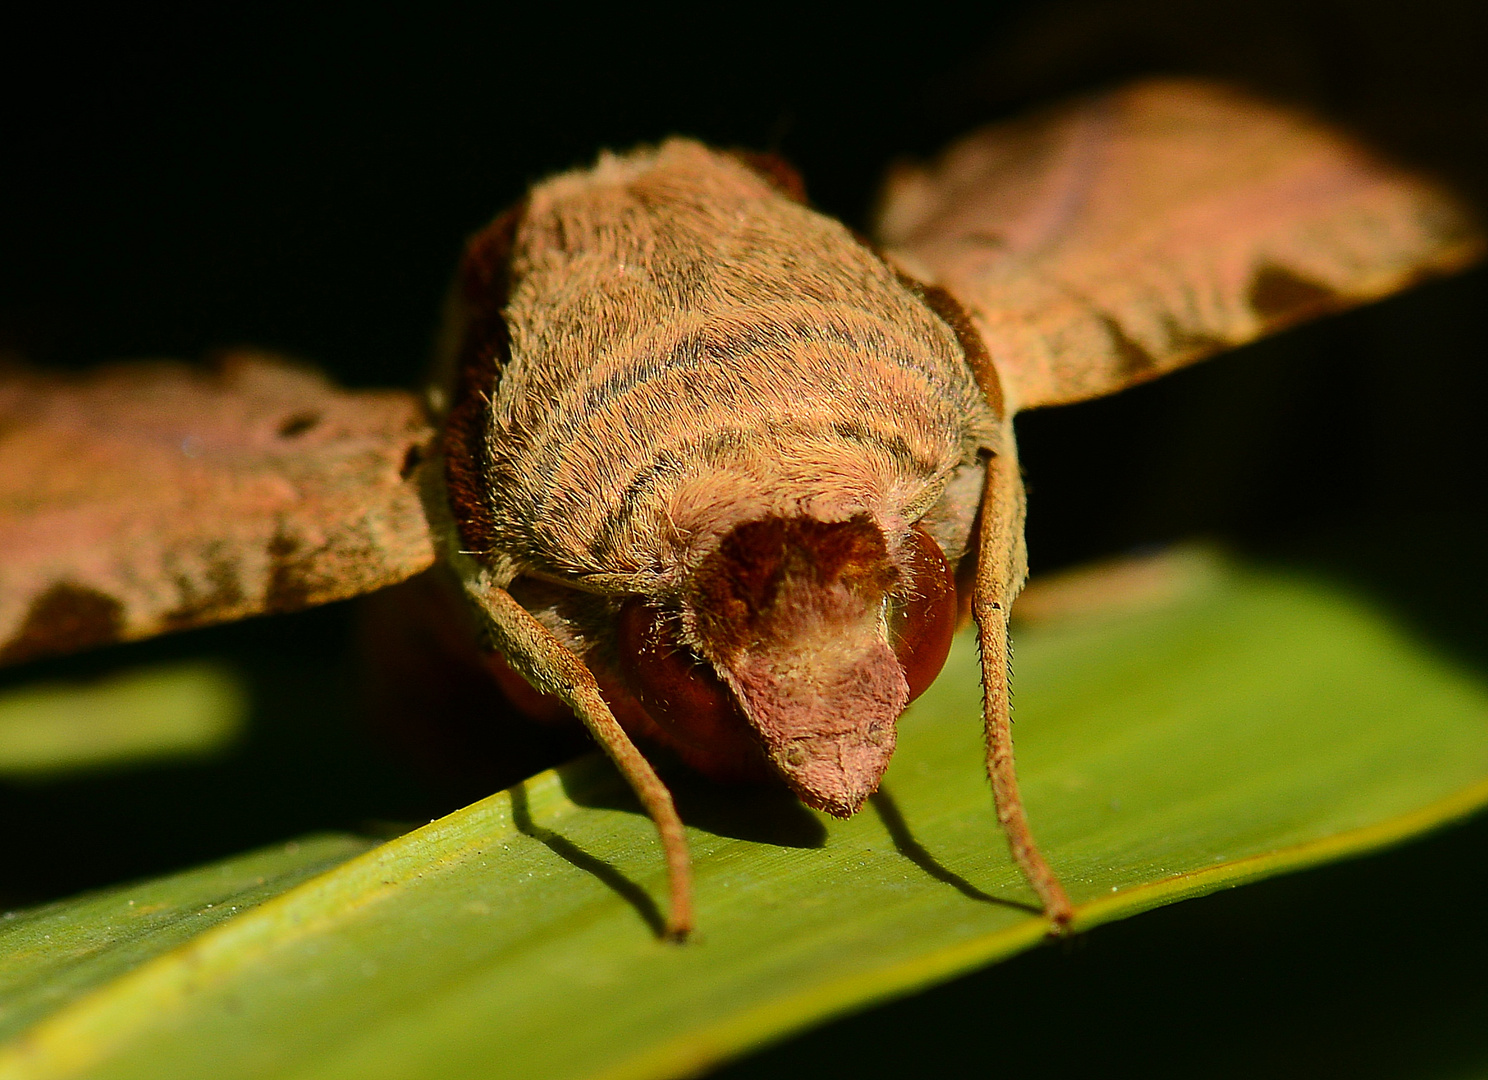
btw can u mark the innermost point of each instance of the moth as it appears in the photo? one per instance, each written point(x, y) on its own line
point(716, 472)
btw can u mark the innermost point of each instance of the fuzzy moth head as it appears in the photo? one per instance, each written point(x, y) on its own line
point(811, 635)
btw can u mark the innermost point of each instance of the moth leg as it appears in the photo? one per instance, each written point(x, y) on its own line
point(1001, 568)
point(551, 668)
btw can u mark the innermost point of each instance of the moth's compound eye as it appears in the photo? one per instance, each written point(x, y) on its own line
point(679, 689)
point(922, 616)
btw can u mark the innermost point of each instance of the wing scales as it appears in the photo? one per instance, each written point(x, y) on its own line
point(1108, 241)
point(143, 498)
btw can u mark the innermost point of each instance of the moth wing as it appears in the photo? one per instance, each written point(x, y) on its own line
point(147, 497)
point(1107, 241)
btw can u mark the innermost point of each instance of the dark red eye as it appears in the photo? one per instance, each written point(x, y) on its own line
point(923, 618)
point(679, 690)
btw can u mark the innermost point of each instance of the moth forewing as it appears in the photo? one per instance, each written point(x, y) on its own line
point(1105, 241)
point(142, 498)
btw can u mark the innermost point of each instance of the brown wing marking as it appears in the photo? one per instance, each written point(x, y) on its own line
point(1107, 241)
point(143, 498)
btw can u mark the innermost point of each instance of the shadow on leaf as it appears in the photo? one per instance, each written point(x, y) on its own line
point(760, 814)
point(574, 855)
point(906, 844)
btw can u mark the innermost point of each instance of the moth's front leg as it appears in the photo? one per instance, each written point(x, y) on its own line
point(551, 668)
point(1001, 568)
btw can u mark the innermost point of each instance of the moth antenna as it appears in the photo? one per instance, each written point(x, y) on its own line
point(1001, 568)
point(551, 668)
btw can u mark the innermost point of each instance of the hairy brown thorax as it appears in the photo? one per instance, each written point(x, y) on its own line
point(677, 382)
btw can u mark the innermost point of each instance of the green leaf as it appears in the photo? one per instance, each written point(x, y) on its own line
point(59, 952)
point(1255, 723)
point(165, 711)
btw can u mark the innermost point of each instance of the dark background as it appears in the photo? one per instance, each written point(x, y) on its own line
point(303, 180)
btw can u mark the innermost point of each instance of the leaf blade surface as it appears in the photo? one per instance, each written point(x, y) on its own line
point(1262, 722)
